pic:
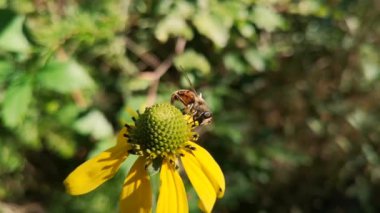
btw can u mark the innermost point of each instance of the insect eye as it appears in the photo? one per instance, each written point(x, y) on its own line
point(207, 114)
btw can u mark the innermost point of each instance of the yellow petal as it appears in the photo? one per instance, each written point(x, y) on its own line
point(200, 181)
point(181, 193)
point(136, 195)
point(172, 197)
point(95, 171)
point(211, 168)
point(121, 139)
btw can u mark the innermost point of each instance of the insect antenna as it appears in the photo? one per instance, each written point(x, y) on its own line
point(188, 79)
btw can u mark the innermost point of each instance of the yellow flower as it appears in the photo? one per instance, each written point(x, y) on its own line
point(162, 136)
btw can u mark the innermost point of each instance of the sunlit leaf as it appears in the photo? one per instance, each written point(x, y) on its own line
point(16, 102)
point(12, 37)
point(182, 9)
point(94, 124)
point(172, 26)
point(211, 27)
point(192, 60)
point(247, 30)
point(359, 119)
point(266, 18)
point(309, 7)
point(369, 60)
point(64, 76)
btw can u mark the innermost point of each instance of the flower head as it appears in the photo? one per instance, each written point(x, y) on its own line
point(162, 136)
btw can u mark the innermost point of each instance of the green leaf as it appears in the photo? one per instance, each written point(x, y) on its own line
point(235, 63)
point(10, 158)
point(213, 28)
point(16, 102)
point(94, 124)
point(30, 135)
point(192, 60)
point(136, 84)
point(12, 37)
point(267, 19)
point(310, 7)
point(5, 69)
point(228, 11)
point(64, 77)
point(247, 30)
point(60, 144)
point(369, 61)
point(255, 59)
point(68, 113)
point(172, 25)
point(183, 9)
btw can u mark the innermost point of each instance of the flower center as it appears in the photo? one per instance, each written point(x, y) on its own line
point(160, 131)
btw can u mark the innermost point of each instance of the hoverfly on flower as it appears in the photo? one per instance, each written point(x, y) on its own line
point(161, 135)
point(193, 103)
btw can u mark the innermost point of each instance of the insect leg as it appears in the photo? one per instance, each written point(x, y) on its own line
point(175, 97)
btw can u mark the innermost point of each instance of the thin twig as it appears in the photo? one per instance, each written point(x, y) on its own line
point(160, 71)
point(152, 93)
point(154, 77)
point(142, 53)
point(180, 45)
point(79, 99)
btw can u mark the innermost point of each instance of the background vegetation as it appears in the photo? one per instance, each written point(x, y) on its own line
point(293, 85)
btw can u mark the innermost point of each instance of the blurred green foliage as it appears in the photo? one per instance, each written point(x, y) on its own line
point(293, 85)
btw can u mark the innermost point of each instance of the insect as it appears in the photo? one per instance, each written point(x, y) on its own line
point(194, 104)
